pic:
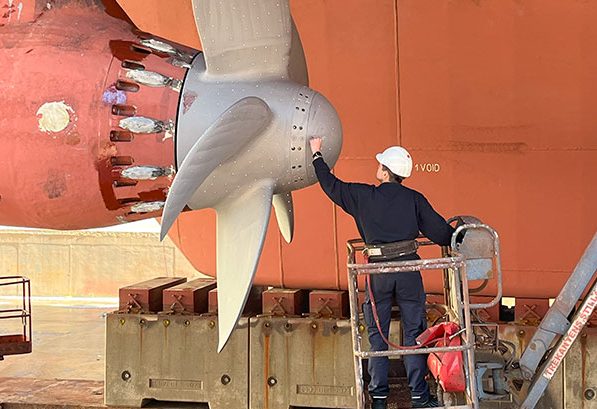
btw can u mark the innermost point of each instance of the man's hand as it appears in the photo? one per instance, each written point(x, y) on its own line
point(315, 143)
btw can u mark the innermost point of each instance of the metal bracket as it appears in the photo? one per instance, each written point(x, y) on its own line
point(497, 379)
point(529, 314)
point(278, 306)
point(133, 305)
point(177, 306)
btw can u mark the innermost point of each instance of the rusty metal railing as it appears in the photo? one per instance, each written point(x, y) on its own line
point(20, 343)
point(454, 268)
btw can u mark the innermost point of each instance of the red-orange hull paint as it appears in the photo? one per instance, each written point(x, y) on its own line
point(69, 178)
point(497, 101)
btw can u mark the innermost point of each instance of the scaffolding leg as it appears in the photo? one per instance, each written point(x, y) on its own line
point(469, 339)
point(356, 344)
point(360, 384)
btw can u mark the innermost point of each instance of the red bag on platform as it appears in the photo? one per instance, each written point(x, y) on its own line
point(446, 367)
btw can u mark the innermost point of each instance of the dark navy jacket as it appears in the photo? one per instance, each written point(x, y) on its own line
point(386, 213)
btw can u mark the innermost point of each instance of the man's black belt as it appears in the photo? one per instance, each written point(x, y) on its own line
point(390, 251)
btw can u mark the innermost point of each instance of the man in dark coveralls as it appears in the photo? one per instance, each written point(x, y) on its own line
point(390, 213)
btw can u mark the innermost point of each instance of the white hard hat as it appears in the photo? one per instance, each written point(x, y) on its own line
point(397, 159)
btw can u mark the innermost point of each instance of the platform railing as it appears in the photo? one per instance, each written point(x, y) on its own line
point(454, 268)
point(472, 223)
point(20, 343)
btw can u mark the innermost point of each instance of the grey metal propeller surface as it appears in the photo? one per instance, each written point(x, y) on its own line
point(242, 144)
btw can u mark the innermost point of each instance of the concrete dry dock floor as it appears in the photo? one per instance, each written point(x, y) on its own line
point(37, 393)
point(68, 340)
point(66, 368)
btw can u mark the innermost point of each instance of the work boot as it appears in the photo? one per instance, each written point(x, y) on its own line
point(431, 402)
point(379, 403)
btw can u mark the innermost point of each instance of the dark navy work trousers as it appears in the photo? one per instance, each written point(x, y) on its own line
point(407, 290)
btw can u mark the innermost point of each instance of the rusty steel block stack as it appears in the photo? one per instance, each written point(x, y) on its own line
point(253, 305)
point(329, 304)
point(284, 302)
point(169, 353)
point(188, 298)
point(299, 351)
point(289, 348)
point(146, 296)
